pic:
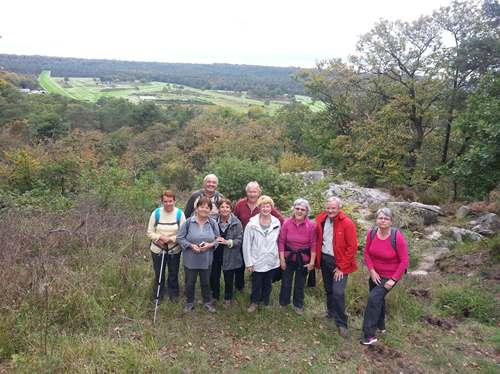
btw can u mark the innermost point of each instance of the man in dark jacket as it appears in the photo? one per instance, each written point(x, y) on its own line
point(210, 183)
point(336, 245)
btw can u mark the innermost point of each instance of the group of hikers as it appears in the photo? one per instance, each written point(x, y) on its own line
point(215, 236)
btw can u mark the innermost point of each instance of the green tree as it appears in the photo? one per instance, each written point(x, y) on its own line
point(473, 52)
point(477, 168)
point(398, 59)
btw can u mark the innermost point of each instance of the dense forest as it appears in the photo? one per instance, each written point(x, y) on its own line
point(261, 81)
point(407, 111)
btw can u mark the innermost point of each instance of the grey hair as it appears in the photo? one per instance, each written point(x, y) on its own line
point(302, 202)
point(211, 176)
point(386, 212)
point(334, 199)
point(253, 184)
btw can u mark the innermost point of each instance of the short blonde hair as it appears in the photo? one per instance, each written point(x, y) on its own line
point(264, 199)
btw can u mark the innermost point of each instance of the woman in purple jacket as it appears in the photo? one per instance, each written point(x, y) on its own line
point(296, 245)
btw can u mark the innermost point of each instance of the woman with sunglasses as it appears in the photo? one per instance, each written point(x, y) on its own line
point(296, 245)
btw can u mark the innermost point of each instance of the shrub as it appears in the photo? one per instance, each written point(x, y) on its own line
point(235, 173)
point(467, 302)
point(291, 162)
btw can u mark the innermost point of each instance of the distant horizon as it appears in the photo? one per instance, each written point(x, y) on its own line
point(263, 33)
point(150, 61)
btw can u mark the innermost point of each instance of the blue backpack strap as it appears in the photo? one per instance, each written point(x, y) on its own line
point(178, 216)
point(157, 216)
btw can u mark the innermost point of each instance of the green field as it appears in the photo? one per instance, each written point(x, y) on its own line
point(91, 89)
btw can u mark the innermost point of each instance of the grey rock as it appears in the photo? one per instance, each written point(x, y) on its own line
point(311, 176)
point(487, 224)
point(463, 212)
point(461, 234)
point(352, 193)
point(418, 273)
point(435, 235)
point(414, 215)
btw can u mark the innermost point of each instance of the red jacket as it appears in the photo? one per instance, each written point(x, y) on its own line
point(345, 242)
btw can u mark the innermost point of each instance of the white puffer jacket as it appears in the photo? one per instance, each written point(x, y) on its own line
point(260, 247)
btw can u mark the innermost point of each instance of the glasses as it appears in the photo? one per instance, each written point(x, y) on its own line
point(300, 209)
point(384, 218)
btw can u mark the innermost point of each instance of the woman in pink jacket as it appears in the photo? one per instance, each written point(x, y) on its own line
point(386, 256)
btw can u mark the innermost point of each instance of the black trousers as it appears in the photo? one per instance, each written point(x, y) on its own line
point(215, 273)
point(262, 284)
point(170, 263)
point(375, 308)
point(298, 271)
point(229, 278)
point(335, 291)
point(190, 276)
point(239, 280)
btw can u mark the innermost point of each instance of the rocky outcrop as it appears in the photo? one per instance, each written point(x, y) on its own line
point(311, 176)
point(414, 215)
point(487, 224)
point(459, 234)
point(353, 194)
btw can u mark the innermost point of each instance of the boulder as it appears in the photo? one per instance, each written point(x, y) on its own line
point(463, 212)
point(414, 215)
point(311, 176)
point(459, 234)
point(353, 194)
point(487, 224)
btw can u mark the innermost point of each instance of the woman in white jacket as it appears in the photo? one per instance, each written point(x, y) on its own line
point(260, 251)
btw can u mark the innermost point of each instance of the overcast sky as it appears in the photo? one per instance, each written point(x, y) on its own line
point(260, 32)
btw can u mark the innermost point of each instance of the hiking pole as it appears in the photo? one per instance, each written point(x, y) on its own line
point(159, 284)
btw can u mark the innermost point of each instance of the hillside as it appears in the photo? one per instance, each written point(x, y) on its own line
point(92, 89)
point(77, 300)
point(263, 81)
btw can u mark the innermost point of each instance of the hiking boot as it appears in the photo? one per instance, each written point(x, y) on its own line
point(298, 311)
point(343, 332)
point(381, 331)
point(189, 307)
point(369, 341)
point(252, 308)
point(209, 308)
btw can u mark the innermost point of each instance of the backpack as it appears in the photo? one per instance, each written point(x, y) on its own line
point(394, 232)
point(177, 216)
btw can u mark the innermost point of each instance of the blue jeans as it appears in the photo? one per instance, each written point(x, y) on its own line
point(375, 308)
point(334, 290)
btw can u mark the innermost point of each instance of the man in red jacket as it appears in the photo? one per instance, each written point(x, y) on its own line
point(336, 245)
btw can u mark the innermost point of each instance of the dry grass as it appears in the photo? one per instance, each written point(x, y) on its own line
point(77, 300)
